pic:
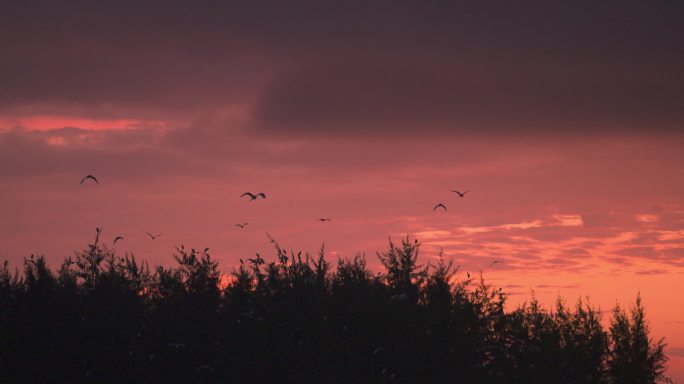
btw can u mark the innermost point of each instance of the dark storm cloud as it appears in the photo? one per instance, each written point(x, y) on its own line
point(312, 67)
point(391, 95)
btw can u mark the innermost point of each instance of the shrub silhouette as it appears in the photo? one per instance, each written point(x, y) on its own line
point(102, 318)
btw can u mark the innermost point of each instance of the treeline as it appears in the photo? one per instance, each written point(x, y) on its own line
point(102, 318)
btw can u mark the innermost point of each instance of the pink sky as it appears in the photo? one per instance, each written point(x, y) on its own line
point(569, 138)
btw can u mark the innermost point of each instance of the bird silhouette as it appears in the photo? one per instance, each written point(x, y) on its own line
point(495, 261)
point(204, 368)
point(153, 237)
point(440, 205)
point(325, 219)
point(241, 225)
point(118, 238)
point(460, 194)
point(253, 196)
point(90, 177)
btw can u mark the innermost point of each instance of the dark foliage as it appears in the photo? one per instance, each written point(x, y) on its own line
point(102, 318)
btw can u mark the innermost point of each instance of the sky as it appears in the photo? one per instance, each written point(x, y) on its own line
point(566, 122)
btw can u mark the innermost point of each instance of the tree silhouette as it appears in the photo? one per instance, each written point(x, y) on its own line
point(634, 357)
point(105, 318)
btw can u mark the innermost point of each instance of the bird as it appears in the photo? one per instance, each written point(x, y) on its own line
point(177, 345)
point(241, 225)
point(204, 368)
point(495, 261)
point(118, 238)
point(252, 196)
point(90, 177)
point(440, 205)
point(325, 219)
point(378, 350)
point(460, 194)
point(153, 236)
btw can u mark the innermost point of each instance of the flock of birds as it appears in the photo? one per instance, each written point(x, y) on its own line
point(261, 195)
point(441, 205)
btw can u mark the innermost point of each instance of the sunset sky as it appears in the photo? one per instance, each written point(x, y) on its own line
point(565, 121)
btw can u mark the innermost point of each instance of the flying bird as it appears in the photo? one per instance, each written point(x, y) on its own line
point(241, 225)
point(205, 368)
point(460, 194)
point(118, 238)
point(495, 261)
point(90, 177)
point(440, 205)
point(325, 219)
point(153, 237)
point(252, 196)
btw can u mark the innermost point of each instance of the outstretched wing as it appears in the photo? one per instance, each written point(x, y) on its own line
point(204, 368)
point(89, 177)
point(263, 196)
point(118, 238)
point(150, 235)
point(440, 206)
point(248, 194)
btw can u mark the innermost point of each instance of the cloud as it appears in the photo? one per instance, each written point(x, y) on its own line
point(566, 286)
point(129, 155)
point(393, 95)
point(647, 218)
point(350, 69)
point(651, 272)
